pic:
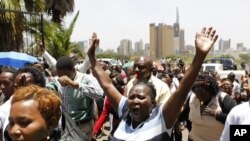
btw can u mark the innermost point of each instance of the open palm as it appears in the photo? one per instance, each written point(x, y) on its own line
point(205, 40)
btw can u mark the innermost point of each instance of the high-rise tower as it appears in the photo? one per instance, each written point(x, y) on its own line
point(176, 24)
point(161, 40)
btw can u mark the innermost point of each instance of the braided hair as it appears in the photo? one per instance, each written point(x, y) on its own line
point(207, 82)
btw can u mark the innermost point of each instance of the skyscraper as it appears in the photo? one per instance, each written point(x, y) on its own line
point(182, 40)
point(179, 41)
point(161, 40)
point(224, 44)
point(125, 47)
point(139, 48)
point(176, 24)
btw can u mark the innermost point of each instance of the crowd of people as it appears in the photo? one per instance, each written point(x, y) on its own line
point(140, 102)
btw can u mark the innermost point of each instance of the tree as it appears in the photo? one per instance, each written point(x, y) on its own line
point(59, 8)
point(57, 39)
point(245, 58)
point(13, 22)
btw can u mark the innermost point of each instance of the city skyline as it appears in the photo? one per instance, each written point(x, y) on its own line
point(117, 20)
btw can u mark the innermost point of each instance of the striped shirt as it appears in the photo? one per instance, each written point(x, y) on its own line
point(152, 129)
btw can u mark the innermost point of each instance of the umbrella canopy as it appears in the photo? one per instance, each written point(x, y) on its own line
point(16, 59)
point(128, 64)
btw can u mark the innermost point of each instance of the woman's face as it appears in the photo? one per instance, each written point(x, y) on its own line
point(202, 94)
point(167, 80)
point(227, 86)
point(26, 122)
point(140, 103)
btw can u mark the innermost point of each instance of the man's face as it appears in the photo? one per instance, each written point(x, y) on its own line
point(6, 83)
point(39, 66)
point(69, 73)
point(142, 68)
point(73, 57)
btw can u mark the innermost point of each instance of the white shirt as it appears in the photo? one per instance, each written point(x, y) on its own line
point(83, 67)
point(239, 115)
point(4, 114)
point(153, 128)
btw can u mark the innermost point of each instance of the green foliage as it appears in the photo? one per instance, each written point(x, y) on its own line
point(15, 23)
point(58, 9)
point(245, 58)
point(107, 55)
point(57, 38)
point(227, 56)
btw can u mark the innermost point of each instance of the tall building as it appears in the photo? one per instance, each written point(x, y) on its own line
point(179, 36)
point(84, 45)
point(161, 40)
point(182, 40)
point(224, 45)
point(147, 49)
point(125, 47)
point(176, 24)
point(139, 48)
point(240, 47)
point(177, 33)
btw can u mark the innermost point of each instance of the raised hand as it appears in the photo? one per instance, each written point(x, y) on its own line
point(66, 81)
point(94, 40)
point(94, 44)
point(205, 40)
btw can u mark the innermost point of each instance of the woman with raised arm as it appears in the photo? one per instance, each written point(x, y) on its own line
point(141, 117)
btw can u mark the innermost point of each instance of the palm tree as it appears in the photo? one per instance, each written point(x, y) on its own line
point(57, 38)
point(59, 8)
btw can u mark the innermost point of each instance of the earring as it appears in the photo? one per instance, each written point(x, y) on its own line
point(48, 137)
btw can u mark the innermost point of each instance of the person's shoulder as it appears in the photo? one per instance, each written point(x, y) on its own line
point(131, 81)
point(244, 105)
point(157, 81)
point(239, 108)
point(80, 75)
point(6, 104)
point(236, 83)
point(192, 97)
point(223, 95)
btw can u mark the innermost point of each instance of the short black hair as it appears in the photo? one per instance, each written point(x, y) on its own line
point(171, 75)
point(207, 82)
point(10, 70)
point(65, 62)
point(38, 76)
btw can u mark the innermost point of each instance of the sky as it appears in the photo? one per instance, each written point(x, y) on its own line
point(114, 20)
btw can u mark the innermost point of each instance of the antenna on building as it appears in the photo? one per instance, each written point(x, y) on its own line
point(177, 15)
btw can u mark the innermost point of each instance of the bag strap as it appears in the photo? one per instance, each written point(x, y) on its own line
point(73, 129)
point(221, 97)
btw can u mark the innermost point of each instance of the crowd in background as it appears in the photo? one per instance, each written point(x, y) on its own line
point(80, 90)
